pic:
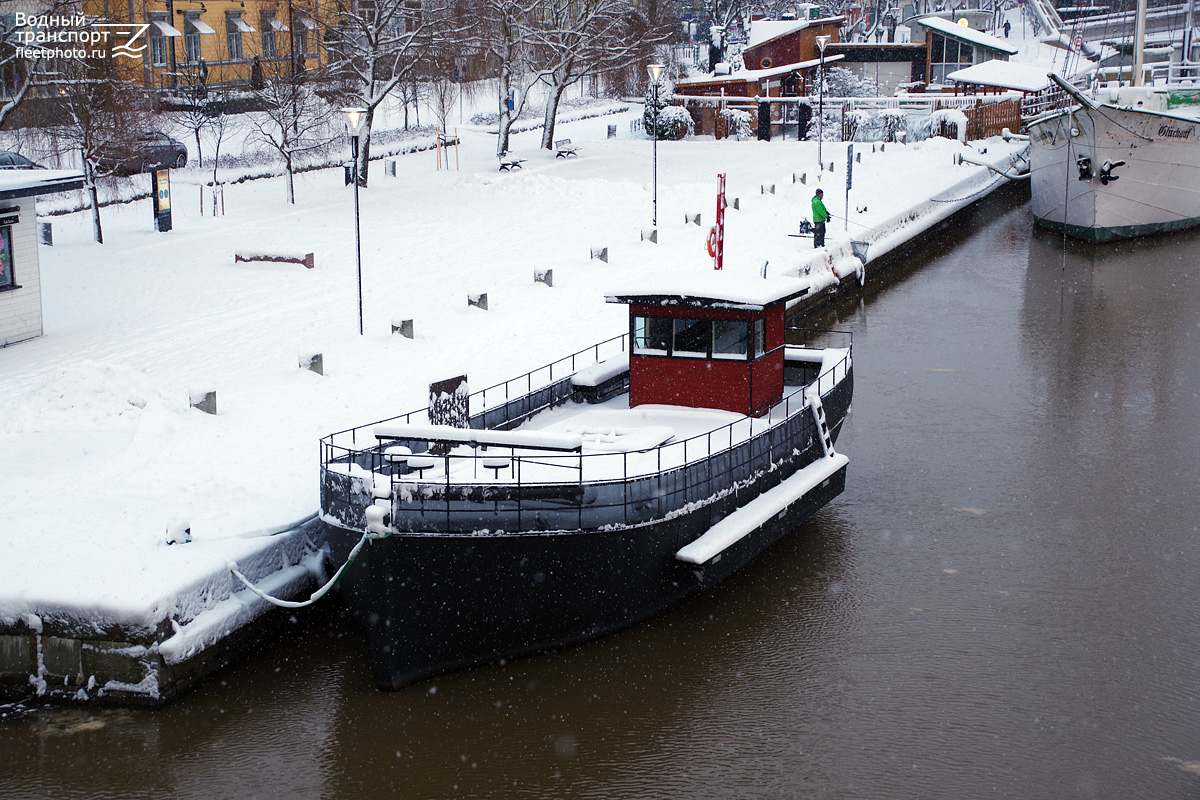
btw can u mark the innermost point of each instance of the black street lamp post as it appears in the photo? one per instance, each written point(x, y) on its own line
point(655, 71)
point(354, 121)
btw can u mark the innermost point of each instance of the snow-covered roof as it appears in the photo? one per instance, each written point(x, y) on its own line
point(766, 30)
point(1023, 77)
point(965, 34)
point(755, 75)
point(30, 182)
point(709, 288)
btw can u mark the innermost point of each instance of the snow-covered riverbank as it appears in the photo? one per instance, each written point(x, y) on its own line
point(102, 454)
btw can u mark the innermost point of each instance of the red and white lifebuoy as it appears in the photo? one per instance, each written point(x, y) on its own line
point(711, 244)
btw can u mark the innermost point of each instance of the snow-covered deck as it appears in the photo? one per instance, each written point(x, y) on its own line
point(616, 442)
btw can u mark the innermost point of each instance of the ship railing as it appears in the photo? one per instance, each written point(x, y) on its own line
point(1186, 73)
point(500, 394)
point(513, 488)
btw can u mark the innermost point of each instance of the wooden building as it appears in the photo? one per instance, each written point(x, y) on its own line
point(20, 272)
point(221, 43)
point(950, 47)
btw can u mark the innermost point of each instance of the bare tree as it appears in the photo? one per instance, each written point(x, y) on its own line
point(507, 33)
point(17, 71)
point(101, 116)
point(582, 36)
point(443, 94)
point(223, 126)
point(295, 121)
point(196, 117)
point(373, 46)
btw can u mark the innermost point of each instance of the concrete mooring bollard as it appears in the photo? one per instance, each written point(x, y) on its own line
point(600, 253)
point(858, 157)
point(735, 203)
point(802, 178)
point(313, 362)
point(478, 300)
point(545, 276)
point(47, 233)
point(767, 189)
point(692, 218)
point(650, 235)
point(404, 327)
point(205, 400)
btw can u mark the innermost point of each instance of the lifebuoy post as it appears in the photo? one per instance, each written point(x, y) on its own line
point(716, 243)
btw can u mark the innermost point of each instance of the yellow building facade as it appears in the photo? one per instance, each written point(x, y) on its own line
point(220, 43)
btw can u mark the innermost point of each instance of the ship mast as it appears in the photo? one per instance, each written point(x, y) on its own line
point(1139, 42)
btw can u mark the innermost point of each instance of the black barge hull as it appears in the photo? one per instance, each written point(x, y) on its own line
point(438, 603)
point(470, 575)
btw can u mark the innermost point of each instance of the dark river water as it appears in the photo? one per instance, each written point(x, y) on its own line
point(1005, 603)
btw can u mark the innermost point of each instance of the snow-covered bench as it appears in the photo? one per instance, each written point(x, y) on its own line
point(533, 440)
point(279, 256)
point(602, 380)
point(509, 163)
point(564, 149)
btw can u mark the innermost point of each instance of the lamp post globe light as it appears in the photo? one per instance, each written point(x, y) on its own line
point(655, 72)
point(821, 42)
point(354, 120)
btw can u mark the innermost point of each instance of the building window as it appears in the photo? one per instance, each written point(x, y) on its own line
point(161, 34)
point(233, 37)
point(192, 45)
point(947, 55)
point(760, 337)
point(268, 34)
point(300, 42)
point(301, 25)
point(235, 26)
point(158, 51)
point(7, 281)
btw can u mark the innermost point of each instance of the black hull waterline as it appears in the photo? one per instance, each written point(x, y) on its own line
point(434, 603)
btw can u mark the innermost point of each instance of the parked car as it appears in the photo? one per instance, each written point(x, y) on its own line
point(149, 151)
point(11, 160)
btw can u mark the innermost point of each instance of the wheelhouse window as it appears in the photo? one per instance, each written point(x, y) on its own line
point(7, 280)
point(652, 336)
point(691, 338)
point(686, 337)
point(730, 339)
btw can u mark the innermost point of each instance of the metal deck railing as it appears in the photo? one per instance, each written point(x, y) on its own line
point(465, 491)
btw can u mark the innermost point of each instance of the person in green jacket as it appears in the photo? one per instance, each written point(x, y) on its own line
point(821, 215)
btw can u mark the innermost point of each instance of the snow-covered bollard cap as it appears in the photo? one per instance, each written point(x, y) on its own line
point(179, 532)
